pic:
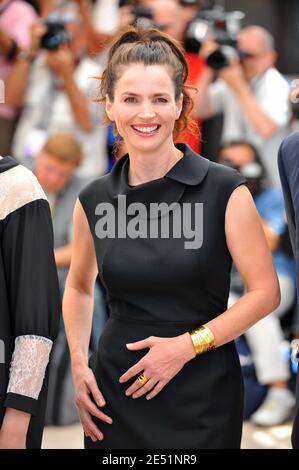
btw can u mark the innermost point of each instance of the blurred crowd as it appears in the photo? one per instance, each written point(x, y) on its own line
point(52, 54)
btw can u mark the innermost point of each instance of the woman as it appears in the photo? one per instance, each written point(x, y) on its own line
point(164, 382)
point(29, 305)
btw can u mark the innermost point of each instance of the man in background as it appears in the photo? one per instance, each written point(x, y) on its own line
point(251, 94)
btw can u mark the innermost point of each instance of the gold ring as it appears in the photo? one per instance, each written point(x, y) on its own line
point(142, 379)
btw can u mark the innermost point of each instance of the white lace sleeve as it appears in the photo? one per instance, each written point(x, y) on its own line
point(18, 187)
point(28, 365)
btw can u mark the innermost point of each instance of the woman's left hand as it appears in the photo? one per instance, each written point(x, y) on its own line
point(165, 359)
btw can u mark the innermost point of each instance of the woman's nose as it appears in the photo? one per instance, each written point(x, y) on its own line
point(147, 111)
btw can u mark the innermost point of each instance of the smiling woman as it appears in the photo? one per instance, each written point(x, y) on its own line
point(166, 369)
point(145, 119)
point(147, 106)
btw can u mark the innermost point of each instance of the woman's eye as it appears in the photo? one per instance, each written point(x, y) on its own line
point(130, 99)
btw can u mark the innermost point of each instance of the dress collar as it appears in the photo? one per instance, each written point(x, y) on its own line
point(191, 170)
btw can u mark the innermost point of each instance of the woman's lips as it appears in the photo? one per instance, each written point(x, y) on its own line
point(146, 131)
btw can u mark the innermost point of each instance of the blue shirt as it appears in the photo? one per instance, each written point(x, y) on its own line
point(270, 205)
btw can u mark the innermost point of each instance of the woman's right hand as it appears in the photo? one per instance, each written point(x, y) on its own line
point(85, 384)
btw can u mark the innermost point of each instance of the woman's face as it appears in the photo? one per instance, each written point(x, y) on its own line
point(144, 107)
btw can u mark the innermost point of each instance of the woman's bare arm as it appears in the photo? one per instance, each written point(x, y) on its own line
point(77, 314)
point(252, 257)
point(79, 288)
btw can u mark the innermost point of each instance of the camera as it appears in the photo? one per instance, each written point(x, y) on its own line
point(55, 36)
point(140, 12)
point(251, 171)
point(254, 172)
point(224, 26)
point(222, 57)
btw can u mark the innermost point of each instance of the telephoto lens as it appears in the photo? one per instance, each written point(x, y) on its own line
point(222, 57)
point(55, 36)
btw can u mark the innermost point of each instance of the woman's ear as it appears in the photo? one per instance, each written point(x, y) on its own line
point(109, 108)
point(179, 106)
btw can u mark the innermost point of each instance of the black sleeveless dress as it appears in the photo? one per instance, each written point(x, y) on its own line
point(156, 286)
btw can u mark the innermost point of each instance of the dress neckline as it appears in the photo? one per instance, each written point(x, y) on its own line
point(132, 186)
point(189, 170)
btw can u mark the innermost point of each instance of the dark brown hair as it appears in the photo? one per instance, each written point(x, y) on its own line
point(137, 44)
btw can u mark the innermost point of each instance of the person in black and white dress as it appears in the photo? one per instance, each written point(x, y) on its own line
point(29, 305)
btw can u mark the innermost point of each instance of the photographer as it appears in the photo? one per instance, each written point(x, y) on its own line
point(251, 94)
point(61, 62)
point(52, 80)
point(16, 18)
